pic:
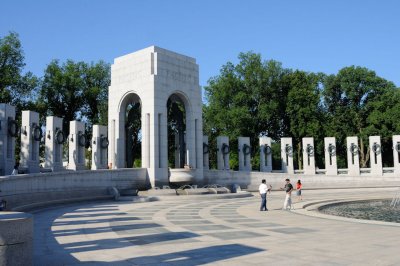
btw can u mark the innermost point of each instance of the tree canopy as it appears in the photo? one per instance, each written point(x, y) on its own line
point(75, 90)
point(252, 98)
point(259, 97)
point(15, 87)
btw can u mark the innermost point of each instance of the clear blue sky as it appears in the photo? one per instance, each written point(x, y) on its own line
point(309, 35)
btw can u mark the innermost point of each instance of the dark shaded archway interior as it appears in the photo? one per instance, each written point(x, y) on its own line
point(176, 127)
point(133, 130)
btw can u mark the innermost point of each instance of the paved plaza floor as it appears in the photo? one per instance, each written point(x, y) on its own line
point(185, 231)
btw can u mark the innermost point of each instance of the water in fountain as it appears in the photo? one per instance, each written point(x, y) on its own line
point(379, 210)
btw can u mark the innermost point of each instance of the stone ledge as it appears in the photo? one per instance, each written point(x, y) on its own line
point(16, 237)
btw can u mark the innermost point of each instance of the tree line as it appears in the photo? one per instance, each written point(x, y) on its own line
point(257, 97)
point(70, 90)
point(252, 98)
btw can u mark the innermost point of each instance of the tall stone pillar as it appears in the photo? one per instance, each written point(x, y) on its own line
point(244, 149)
point(353, 158)
point(265, 154)
point(330, 156)
point(396, 154)
point(308, 156)
point(31, 134)
point(99, 147)
point(375, 151)
point(8, 133)
point(206, 153)
point(223, 153)
point(77, 142)
point(287, 155)
point(54, 140)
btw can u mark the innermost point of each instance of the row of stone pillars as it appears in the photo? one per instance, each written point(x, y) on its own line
point(31, 134)
point(308, 152)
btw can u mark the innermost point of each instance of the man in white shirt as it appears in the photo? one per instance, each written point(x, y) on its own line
point(263, 188)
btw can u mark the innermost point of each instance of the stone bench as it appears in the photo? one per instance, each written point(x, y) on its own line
point(16, 238)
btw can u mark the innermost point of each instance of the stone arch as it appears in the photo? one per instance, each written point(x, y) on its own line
point(177, 141)
point(128, 98)
point(187, 154)
point(153, 75)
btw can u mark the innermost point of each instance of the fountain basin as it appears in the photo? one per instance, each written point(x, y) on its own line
point(378, 210)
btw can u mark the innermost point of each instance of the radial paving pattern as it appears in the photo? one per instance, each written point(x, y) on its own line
point(216, 231)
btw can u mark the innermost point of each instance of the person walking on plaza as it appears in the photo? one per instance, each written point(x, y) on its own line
point(288, 199)
point(299, 185)
point(263, 188)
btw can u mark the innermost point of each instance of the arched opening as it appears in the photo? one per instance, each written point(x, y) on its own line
point(130, 115)
point(176, 119)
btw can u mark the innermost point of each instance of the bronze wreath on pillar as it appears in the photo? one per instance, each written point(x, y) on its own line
point(104, 142)
point(289, 150)
point(310, 150)
point(60, 138)
point(206, 148)
point(267, 149)
point(12, 128)
point(376, 148)
point(81, 140)
point(332, 150)
point(37, 132)
point(354, 149)
point(246, 149)
point(225, 149)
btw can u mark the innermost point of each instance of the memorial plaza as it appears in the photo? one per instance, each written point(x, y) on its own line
point(175, 209)
point(200, 230)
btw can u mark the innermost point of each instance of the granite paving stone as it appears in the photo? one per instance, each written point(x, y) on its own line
point(212, 232)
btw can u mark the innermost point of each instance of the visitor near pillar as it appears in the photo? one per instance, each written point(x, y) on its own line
point(299, 185)
point(263, 188)
point(287, 205)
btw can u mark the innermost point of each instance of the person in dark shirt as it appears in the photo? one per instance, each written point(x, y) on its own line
point(288, 199)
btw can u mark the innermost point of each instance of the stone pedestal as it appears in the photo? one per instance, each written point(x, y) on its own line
point(54, 140)
point(16, 238)
point(77, 142)
point(206, 153)
point(353, 158)
point(99, 147)
point(8, 133)
point(223, 153)
point(244, 150)
point(308, 156)
point(375, 151)
point(265, 154)
point(31, 135)
point(330, 156)
point(287, 155)
point(396, 154)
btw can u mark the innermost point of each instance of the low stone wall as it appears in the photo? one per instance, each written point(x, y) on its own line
point(16, 238)
point(251, 180)
point(23, 192)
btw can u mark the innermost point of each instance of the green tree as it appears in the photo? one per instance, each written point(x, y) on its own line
point(61, 93)
point(15, 88)
point(11, 64)
point(354, 99)
point(305, 112)
point(247, 99)
point(76, 90)
point(96, 79)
